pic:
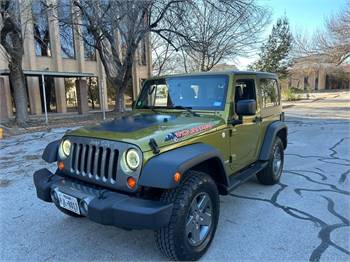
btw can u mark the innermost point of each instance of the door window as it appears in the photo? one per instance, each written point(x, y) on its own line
point(269, 92)
point(245, 89)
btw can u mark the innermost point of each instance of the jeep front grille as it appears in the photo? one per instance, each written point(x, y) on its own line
point(98, 161)
point(94, 162)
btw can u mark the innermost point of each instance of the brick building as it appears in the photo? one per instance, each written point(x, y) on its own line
point(55, 54)
point(314, 72)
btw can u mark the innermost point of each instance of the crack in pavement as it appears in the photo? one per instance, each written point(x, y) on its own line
point(334, 152)
point(333, 187)
point(326, 229)
point(343, 176)
point(321, 158)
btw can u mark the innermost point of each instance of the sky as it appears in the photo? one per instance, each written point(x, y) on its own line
point(305, 16)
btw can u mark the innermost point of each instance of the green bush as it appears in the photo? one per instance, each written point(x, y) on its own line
point(290, 94)
point(296, 90)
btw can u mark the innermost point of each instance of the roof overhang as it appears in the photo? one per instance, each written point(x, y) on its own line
point(50, 73)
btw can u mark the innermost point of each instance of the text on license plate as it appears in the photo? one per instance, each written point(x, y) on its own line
point(68, 202)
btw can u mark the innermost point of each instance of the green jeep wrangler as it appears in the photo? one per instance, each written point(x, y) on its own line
point(162, 166)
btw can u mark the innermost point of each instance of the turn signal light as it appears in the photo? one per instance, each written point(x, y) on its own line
point(177, 177)
point(131, 182)
point(60, 165)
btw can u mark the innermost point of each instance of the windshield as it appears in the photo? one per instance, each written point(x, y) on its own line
point(194, 92)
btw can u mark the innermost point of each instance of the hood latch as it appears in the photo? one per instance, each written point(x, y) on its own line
point(153, 145)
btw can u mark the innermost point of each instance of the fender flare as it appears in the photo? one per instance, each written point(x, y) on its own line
point(270, 134)
point(50, 153)
point(158, 172)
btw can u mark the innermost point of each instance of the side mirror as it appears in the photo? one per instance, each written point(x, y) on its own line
point(246, 107)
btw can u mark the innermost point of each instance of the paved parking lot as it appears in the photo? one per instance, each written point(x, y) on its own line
point(305, 217)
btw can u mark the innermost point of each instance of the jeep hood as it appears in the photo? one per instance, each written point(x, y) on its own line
point(138, 128)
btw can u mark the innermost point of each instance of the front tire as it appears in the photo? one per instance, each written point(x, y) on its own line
point(194, 218)
point(271, 174)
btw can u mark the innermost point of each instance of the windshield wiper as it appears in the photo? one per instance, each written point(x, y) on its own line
point(187, 108)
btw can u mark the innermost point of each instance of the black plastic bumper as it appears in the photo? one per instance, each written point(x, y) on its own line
point(104, 206)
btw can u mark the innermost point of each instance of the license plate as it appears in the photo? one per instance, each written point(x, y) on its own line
point(68, 202)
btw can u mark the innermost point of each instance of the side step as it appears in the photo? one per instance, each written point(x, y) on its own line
point(244, 175)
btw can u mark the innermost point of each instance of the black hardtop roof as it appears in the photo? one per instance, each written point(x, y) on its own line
point(229, 72)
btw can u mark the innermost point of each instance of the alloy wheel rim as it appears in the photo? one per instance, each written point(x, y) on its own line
point(199, 219)
point(277, 161)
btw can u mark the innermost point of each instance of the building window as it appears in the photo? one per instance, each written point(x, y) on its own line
point(41, 29)
point(143, 52)
point(306, 82)
point(66, 29)
point(316, 83)
point(89, 48)
point(88, 40)
point(270, 92)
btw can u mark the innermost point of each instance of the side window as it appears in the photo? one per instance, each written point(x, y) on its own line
point(161, 94)
point(269, 92)
point(245, 89)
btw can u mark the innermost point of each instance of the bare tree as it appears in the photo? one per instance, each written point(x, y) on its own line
point(333, 43)
point(118, 29)
point(220, 30)
point(168, 56)
point(163, 55)
point(215, 30)
point(11, 40)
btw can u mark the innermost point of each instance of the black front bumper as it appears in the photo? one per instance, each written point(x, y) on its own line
point(104, 206)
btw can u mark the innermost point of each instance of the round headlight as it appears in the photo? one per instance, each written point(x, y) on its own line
point(66, 146)
point(132, 159)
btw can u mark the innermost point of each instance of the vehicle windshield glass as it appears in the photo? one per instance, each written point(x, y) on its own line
point(194, 92)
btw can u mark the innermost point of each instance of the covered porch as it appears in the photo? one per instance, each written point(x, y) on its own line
point(51, 92)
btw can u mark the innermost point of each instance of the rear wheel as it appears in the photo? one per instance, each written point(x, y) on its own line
point(194, 219)
point(272, 173)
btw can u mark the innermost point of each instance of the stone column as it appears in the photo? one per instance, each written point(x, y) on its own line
point(312, 79)
point(60, 92)
point(82, 96)
point(78, 42)
point(8, 96)
point(4, 112)
point(321, 79)
point(56, 60)
point(34, 95)
point(29, 61)
point(149, 55)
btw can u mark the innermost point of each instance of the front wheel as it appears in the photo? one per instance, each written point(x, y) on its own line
point(194, 218)
point(273, 171)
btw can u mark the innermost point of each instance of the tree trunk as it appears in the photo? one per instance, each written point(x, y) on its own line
point(12, 41)
point(119, 101)
point(20, 95)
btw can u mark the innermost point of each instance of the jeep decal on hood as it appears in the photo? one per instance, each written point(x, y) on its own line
point(174, 136)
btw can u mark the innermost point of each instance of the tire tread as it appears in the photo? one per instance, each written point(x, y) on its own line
point(165, 236)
